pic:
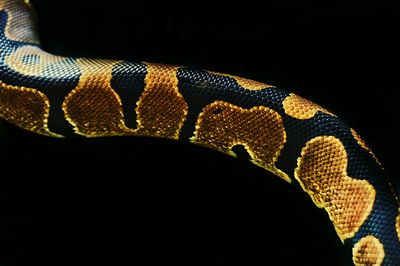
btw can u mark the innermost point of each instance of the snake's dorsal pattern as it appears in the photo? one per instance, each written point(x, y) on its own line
point(294, 138)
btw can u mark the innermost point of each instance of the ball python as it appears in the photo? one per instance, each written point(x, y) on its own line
point(294, 138)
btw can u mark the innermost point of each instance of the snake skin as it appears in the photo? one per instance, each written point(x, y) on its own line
point(295, 139)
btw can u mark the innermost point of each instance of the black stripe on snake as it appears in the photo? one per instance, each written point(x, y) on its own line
point(297, 140)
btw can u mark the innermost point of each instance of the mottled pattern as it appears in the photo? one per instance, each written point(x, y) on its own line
point(33, 61)
point(93, 107)
point(321, 171)
point(368, 251)
point(280, 131)
point(19, 25)
point(301, 108)
point(26, 108)
point(222, 125)
point(161, 109)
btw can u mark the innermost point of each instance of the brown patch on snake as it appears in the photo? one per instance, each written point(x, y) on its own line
point(364, 145)
point(301, 108)
point(161, 109)
point(321, 172)
point(248, 84)
point(93, 107)
point(260, 130)
point(19, 25)
point(26, 108)
point(368, 251)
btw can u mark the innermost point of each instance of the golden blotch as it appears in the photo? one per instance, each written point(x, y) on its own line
point(321, 172)
point(248, 84)
point(364, 145)
point(260, 130)
point(368, 251)
point(26, 108)
point(21, 22)
point(301, 108)
point(93, 107)
point(33, 61)
point(161, 109)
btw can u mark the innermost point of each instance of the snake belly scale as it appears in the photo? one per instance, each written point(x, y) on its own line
point(297, 140)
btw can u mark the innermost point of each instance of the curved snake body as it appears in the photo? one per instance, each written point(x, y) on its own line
point(297, 140)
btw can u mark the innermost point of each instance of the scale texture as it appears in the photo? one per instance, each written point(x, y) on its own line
point(297, 140)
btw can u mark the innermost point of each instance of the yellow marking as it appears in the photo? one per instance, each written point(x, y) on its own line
point(26, 108)
point(398, 225)
point(248, 84)
point(260, 130)
point(368, 251)
point(301, 108)
point(33, 61)
point(364, 145)
point(161, 109)
point(93, 107)
point(321, 172)
point(20, 25)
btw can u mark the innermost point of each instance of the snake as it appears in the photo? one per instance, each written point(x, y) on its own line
point(299, 141)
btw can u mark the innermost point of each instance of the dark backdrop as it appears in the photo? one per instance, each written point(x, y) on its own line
point(154, 202)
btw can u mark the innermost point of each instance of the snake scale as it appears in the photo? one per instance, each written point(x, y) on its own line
point(297, 140)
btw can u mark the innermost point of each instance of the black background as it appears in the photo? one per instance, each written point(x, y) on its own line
point(141, 201)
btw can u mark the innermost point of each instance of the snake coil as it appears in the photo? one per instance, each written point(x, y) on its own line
point(283, 133)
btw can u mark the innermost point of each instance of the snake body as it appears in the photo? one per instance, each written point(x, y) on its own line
point(295, 139)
